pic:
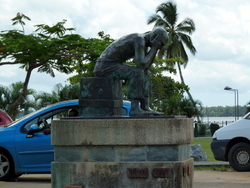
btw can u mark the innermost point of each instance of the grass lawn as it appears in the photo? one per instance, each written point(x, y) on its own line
point(205, 144)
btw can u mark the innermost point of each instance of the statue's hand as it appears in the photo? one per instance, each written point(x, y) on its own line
point(157, 41)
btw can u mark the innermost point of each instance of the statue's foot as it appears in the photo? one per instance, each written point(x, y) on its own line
point(155, 113)
point(137, 112)
point(140, 112)
point(152, 113)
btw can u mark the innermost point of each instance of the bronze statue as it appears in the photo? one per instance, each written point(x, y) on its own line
point(141, 47)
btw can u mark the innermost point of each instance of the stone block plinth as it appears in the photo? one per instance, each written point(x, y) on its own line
point(122, 131)
point(100, 97)
point(122, 152)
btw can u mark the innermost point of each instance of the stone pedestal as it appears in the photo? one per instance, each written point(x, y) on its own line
point(122, 153)
point(100, 97)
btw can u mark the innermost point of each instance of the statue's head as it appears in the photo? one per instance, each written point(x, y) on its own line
point(159, 35)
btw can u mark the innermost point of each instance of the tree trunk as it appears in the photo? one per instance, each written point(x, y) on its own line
point(15, 104)
point(187, 90)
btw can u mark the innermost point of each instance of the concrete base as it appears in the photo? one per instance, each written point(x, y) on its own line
point(124, 175)
point(124, 152)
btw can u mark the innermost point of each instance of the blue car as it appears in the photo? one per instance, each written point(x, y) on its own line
point(25, 144)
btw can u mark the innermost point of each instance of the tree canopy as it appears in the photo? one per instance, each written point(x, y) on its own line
point(47, 49)
point(55, 47)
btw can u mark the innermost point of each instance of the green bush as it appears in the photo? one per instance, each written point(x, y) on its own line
point(214, 127)
point(202, 129)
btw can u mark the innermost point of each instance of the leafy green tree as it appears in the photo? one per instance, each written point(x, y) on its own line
point(167, 17)
point(92, 50)
point(10, 94)
point(19, 20)
point(171, 105)
point(164, 87)
point(47, 49)
point(179, 105)
point(189, 109)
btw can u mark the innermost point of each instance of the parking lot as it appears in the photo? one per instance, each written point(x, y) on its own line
point(202, 179)
point(29, 181)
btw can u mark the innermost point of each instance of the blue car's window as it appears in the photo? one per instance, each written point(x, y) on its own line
point(24, 117)
point(47, 118)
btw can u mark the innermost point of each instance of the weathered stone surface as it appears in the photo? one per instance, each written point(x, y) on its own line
point(100, 88)
point(135, 132)
point(198, 153)
point(122, 153)
point(100, 97)
point(111, 174)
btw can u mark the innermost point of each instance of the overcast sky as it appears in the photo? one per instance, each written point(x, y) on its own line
point(221, 39)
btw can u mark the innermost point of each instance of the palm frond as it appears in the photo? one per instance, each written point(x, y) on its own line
point(169, 12)
point(187, 25)
point(153, 18)
point(188, 42)
point(159, 22)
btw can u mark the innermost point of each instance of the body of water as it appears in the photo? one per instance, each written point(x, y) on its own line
point(222, 121)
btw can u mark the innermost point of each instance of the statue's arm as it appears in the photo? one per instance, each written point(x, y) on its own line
point(144, 59)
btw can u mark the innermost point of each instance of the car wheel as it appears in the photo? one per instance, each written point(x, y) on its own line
point(239, 156)
point(6, 166)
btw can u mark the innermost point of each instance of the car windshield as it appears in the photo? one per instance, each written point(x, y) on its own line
point(26, 116)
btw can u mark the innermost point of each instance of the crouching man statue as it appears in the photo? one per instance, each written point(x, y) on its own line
point(143, 48)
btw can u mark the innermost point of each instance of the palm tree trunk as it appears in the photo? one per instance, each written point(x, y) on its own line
point(187, 90)
point(182, 81)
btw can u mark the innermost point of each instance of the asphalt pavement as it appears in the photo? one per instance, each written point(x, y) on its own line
point(29, 181)
point(229, 179)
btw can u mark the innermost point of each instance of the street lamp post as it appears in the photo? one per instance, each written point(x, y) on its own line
point(236, 100)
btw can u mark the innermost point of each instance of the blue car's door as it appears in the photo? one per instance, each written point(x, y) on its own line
point(35, 154)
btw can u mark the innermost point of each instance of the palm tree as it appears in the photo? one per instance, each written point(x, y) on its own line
point(189, 109)
point(44, 99)
point(177, 105)
point(59, 93)
point(10, 94)
point(178, 36)
point(68, 92)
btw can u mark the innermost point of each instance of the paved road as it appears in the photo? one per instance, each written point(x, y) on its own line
point(210, 179)
point(202, 179)
point(29, 181)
